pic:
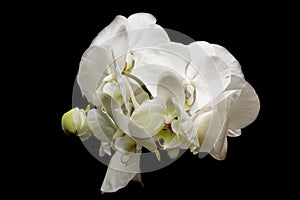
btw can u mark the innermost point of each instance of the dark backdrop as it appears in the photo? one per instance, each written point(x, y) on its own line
point(61, 168)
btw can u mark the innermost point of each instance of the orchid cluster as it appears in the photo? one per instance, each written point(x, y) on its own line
point(149, 94)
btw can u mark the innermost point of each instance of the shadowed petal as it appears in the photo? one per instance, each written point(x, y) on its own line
point(169, 86)
point(141, 20)
point(102, 127)
point(234, 133)
point(221, 106)
point(246, 108)
point(149, 116)
point(173, 153)
point(91, 71)
point(122, 168)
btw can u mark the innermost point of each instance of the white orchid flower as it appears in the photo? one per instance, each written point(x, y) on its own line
point(179, 130)
point(117, 131)
point(207, 72)
point(152, 93)
point(162, 117)
point(127, 137)
point(120, 37)
point(174, 57)
point(141, 132)
point(165, 84)
point(232, 112)
point(101, 69)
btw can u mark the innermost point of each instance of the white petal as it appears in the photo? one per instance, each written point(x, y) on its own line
point(181, 52)
point(173, 153)
point(141, 20)
point(114, 38)
point(147, 37)
point(93, 65)
point(111, 89)
point(117, 26)
point(104, 149)
point(149, 116)
point(125, 144)
point(115, 180)
point(228, 58)
point(227, 97)
point(103, 129)
point(203, 65)
point(234, 133)
point(246, 108)
point(202, 122)
point(223, 54)
point(108, 104)
point(183, 134)
point(130, 128)
point(122, 168)
point(223, 70)
point(173, 107)
point(207, 47)
point(117, 47)
point(211, 70)
point(170, 86)
point(129, 162)
point(202, 94)
point(172, 55)
point(219, 116)
point(189, 129)
point(120, 79)
point(176, 127)
point(126, 125)
point(220, 149)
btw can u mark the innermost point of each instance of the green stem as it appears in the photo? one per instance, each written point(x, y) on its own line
point(88, 107)
point(139, 82)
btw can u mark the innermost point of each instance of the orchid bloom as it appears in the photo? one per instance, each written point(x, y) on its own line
point(217, 97)
point(148, 92)
point(102, 81)
point(120, 37)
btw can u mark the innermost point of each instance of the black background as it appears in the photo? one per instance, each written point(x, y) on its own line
point(53, 38)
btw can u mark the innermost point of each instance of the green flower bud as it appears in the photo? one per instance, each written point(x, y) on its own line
point(67, 123)
point(74, 122)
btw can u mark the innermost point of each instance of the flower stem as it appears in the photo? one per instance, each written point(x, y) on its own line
point(139, 82)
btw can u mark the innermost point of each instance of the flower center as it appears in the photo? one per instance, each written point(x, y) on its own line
point(129, 64)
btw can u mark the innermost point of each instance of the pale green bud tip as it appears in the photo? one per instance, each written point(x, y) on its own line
point(67, 123)
point(74, 122)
